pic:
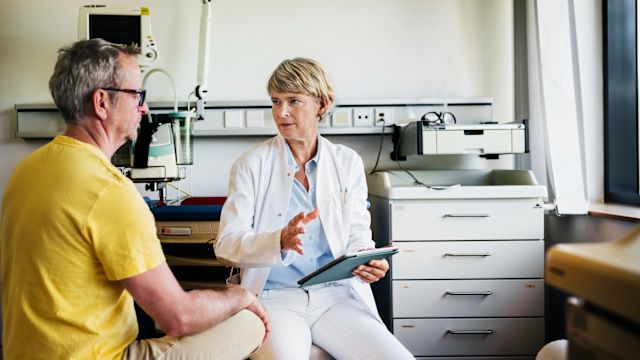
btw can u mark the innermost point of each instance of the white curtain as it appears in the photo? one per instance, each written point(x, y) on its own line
point(555, 103)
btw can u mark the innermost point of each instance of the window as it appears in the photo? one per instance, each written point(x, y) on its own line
point(621, 182)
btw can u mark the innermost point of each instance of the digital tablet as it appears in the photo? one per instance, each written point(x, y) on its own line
point(342, 267)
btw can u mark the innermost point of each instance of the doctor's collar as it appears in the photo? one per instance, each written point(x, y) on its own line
point(289, 154)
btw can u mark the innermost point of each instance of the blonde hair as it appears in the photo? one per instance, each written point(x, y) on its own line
point(302, 76)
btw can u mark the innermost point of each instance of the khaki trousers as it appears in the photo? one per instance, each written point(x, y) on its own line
point(238, 337)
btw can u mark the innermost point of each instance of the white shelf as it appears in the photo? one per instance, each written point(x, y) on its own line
point(625, 212)
point(43, 120)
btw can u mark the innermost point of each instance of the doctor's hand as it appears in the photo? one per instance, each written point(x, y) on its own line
point(290, 234)
point(373, 271)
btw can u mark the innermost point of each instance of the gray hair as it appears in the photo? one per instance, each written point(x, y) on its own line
point(81, 68)
point(302, 76)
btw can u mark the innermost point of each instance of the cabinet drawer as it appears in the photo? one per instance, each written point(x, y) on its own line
point(456, 337)
point(477, 219)
point(468, 298)
point(468, 260)
point(473, 142)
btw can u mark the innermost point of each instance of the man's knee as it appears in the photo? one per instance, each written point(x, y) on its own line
point(248, 329)
point(248, 324)
point(237, 337)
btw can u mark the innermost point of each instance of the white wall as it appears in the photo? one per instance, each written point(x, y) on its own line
point(374, 49)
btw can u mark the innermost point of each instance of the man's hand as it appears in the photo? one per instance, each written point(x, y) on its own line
point(290, 234)
point(372, 271)
point(255, 307)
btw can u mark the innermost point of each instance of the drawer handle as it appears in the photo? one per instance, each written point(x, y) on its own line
point(467, 293)
point(470, 332)
point(468, 254)
point(408, 326)
point(466, 215)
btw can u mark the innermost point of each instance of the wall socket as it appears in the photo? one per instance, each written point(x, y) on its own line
point(326, 120)
point(254, 118)
point(341, 118)
point(363, 117)
point(383, 116)
point(233, 118)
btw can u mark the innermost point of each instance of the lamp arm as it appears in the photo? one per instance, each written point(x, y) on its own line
point(203, 58)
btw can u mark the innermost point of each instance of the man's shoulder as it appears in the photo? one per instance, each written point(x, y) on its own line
point(86, 163)
point(116, 184)
point(61, 157)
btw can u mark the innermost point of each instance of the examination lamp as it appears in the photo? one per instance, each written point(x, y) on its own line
point(203, 58)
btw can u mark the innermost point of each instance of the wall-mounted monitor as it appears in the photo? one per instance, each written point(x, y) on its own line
point(120, 25)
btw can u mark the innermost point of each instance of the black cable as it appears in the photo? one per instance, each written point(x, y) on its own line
point(375, 167)
point(396, 147)
point(415, 180)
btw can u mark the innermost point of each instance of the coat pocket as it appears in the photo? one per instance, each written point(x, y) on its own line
point(343, 204)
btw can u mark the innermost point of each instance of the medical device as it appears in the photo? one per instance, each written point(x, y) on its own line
point(164, 141)
point(120, 25)
point(489, 140)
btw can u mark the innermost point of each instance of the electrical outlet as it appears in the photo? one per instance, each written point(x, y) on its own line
point(254, 118)
point(363, 117)
point(233, 118)
point(383, 116)
point(341, 118)
point(325, 121)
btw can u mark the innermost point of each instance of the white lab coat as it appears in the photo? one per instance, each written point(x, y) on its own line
point(254, 214)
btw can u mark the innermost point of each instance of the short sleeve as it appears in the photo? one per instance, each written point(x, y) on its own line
point(123, 234)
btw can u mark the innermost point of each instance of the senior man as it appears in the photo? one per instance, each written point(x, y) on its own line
point(78, 244)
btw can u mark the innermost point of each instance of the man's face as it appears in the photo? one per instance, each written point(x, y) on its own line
point(127, 113)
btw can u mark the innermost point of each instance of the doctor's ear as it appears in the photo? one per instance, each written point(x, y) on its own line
point(324, 107)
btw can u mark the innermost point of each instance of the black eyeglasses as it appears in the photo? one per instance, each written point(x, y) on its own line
point(434, 117)
point(141, 93)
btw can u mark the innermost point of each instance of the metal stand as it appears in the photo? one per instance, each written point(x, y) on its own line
point(160, 188)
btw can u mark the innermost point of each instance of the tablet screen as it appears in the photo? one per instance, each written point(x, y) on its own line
point(342, 267)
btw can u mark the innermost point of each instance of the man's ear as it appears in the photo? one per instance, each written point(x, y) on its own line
point(101, 103)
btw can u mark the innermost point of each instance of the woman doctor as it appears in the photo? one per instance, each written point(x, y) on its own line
point(296, 202)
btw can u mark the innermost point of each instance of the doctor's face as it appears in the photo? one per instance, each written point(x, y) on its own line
point(296, 115)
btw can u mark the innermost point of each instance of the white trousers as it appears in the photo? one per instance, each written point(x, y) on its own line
point(328, 316)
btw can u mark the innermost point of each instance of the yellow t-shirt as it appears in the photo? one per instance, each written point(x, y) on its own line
point(72, 226)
